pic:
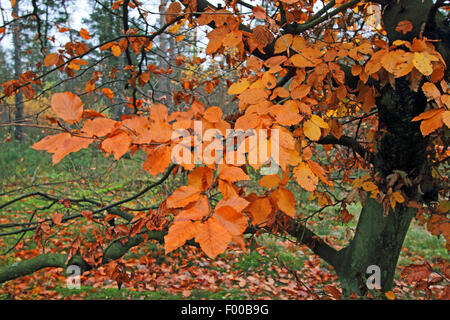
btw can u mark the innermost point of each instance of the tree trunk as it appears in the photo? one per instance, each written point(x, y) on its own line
point(377, 242)
point(18, 111)
point(401, 146)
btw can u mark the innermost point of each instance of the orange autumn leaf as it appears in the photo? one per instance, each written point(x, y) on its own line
point(158, 160)
point(431, 91)
point(253, 96)
point(172, 11)
point(396, 197)
point(260, 209)
point(61, 145)
point(431, 120)
point(319, 172)
point(158, 113)
point(259, 12)
point(398, 62)
point(51, 59)
point(269, 181)
point(404, 26)
point(283, 43)
point(212, 236)
point(234, 221)
point(201, 178)
point(108, 93)
point(179, 232)
point(213, 114)
point(98, 127)
point(301, 91)
point(183, 196)
point(232, 174)
point(236, 202)
point(85, 34)
point(446, 118)
point(390, 295)
point(227, 189)
point(116, 50)
point(305, 177)
point(285, 201)
point(269, 80)
point(232, 39)
point(67, 106)
point(286, 115)
point(195, 211)
point(118, 145)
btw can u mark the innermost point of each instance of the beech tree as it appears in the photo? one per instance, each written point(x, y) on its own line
point(356, 91)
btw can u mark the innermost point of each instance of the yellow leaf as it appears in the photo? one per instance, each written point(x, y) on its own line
point(369, 186)
point(305, 177)
point(422, 63)
point(318, 121)
point(311, 130)
point(283, 43)
point(239, 87)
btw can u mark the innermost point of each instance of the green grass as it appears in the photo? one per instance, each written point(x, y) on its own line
point(424, 244)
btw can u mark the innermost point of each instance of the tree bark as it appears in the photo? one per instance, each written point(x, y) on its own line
point(401, 146)
point(377, 242)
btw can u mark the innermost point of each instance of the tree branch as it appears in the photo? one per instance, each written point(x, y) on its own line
point(115, 251)
point(348, 142)
point(314, 242)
